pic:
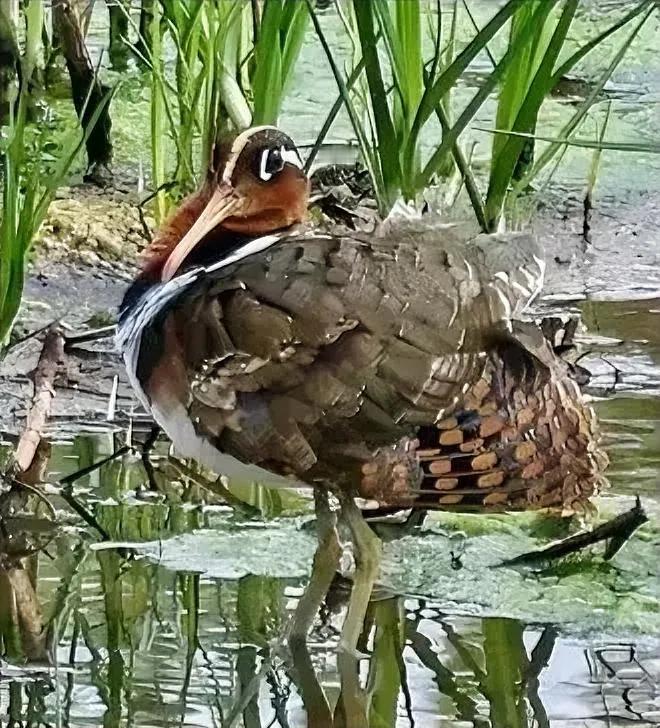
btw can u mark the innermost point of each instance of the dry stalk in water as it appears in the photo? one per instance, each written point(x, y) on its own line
point(50, 362)
point(17, 575)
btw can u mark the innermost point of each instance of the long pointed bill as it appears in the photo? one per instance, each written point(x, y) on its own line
point(223, 204)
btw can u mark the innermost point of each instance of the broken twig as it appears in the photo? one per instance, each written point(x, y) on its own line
point(104, 332)
point(68, 480)
point(50, 361)
point(617, 530)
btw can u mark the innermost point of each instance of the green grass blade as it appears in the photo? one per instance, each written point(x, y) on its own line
point(410, 86)
point(26, 196)
point(598, 144)
point(11, 196)
point(463, 166)
point(568, 65)
point(226, 46)
point(592, 177)
point(442, 58)
point(549, 153)
point(369, 157)
point(437, 40)
point(386, 135)
point(451, 137)
point(450, 49)
point(403, 107)
point(294, 34)
point(332, 115)
point(409, 31)
point(67, 158)
point(210, 113)
point(409, 28)
point(267, 81)
point(448, 78)
point(475, 26)
point(34, 18)
point(157, 115)
point(518, 79)
point(507, 152)
point(394, 47)
point(27, 227)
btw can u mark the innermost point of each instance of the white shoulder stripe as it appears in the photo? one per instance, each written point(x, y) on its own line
point(129, 332)
point(250, 248)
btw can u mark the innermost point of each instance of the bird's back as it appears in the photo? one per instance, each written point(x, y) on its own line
point(392, 364)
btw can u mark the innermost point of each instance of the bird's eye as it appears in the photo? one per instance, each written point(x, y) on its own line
point(271, 163)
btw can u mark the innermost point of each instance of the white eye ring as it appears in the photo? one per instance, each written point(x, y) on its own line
point(263, 174)
point(292, 157)
point(288, 156)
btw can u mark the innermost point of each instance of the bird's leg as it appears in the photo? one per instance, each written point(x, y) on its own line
point(148, 446)
point(150, 441)
point(367, 549)
point(352, 703)
point(324, 568)
point(310, 689)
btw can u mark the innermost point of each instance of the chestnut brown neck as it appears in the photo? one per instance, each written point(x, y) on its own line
point(171, 232)
point(262, 214)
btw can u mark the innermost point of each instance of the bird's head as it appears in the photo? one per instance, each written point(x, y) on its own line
point(256, 185)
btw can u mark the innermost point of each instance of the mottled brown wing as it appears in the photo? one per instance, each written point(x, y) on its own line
point(307, 357)
point(520, 437)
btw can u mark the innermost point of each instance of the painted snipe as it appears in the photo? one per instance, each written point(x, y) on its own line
point(392, 365)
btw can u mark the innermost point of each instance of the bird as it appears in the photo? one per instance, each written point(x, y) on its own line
point(397, 365)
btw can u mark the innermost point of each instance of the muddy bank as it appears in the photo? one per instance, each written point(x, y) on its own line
point(94, 227)
point(81, 297)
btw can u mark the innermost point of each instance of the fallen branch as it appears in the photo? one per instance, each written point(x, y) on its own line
point(50, 361)
point(616, 531)
point(25, 473)
point(27, 614)
point(27, 337)
point(104, 332)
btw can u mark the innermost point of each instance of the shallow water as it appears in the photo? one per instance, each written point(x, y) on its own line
point(172, 628)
